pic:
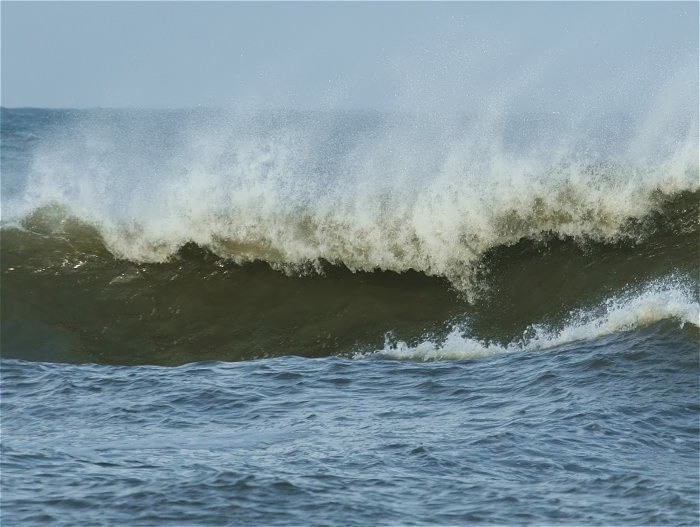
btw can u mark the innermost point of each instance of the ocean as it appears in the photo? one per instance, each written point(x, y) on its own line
point(351, 317)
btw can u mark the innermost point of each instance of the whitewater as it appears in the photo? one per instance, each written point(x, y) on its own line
point(368, 192)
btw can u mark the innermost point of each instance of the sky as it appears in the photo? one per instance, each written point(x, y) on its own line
point(341, 55)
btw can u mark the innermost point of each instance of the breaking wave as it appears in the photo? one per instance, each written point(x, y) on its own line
point(368, 192)
point(662, 300)
point(134, 237)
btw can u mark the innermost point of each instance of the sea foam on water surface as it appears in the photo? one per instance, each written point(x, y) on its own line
point(660, 300)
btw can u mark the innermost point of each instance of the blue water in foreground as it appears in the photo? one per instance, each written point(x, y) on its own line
point(600, 432)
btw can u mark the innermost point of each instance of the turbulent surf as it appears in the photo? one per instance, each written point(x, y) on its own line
point(163, 237)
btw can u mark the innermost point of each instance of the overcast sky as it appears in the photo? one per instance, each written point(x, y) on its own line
point(322, 55)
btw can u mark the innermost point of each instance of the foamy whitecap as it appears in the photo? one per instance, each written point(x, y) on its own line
point(394, 193)
point(660, 300)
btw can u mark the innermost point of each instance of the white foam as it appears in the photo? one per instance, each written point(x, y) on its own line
point(661, 300)
point(429, 194)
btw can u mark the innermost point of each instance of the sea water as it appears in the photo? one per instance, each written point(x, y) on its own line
point(346, 318)
point(423, 315)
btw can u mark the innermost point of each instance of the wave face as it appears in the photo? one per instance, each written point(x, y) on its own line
point(174, 236)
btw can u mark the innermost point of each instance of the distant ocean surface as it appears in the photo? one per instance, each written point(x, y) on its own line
point(349, 318)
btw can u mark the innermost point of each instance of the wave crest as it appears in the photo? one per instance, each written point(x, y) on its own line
point(365, 192)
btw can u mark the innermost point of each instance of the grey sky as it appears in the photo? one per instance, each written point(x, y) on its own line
point(321, 55)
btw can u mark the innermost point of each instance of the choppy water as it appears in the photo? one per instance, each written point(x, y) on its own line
point(354, 318)
point(603, 431)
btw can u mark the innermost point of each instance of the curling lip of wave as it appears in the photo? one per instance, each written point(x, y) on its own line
point(447, 244)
